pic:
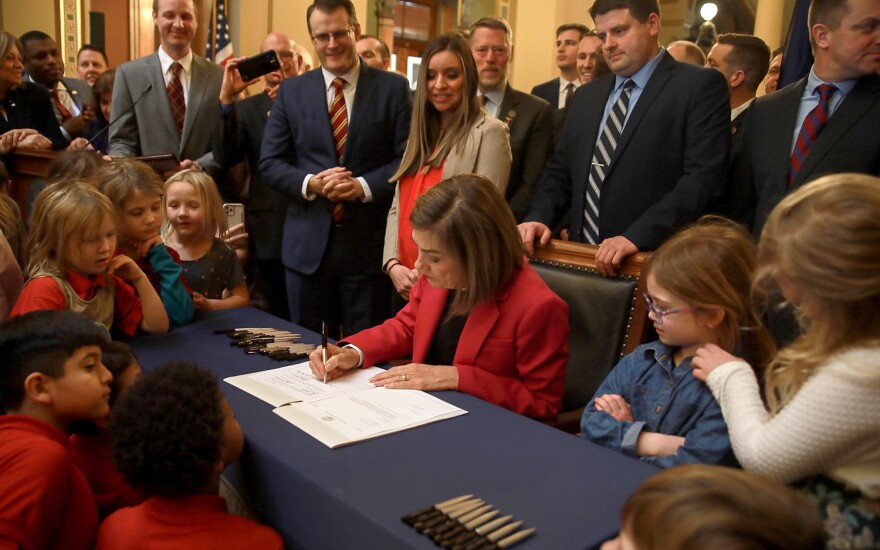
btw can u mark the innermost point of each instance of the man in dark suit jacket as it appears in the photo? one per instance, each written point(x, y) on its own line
point(529, 119)
point(845, 56)
point(149, 128)
point(72, 100)
point(556, 91)
point(337, 204)
point(668, 165)
point(239, 136)
point(743, 59)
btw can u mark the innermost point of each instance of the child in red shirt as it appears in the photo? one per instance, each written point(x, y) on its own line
point(71, 266)
point(172, 434)
point(90, 442)
point(50, 376)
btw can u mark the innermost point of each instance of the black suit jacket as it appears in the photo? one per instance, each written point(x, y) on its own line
point(298, 141)
point(726, 204)
point(238, 136)
point(530, 121)
point(548, 91)
point(850, 142)
point(29, 106)
point(667, 169)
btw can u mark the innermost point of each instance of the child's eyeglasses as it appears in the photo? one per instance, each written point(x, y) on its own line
point(659, 314)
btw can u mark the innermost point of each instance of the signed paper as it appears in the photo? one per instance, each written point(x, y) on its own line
point(297, 383)
point(363, 415)
point(345, 410)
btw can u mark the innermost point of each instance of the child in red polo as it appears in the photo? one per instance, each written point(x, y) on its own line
point(172, 434)
point(50, 376)
point(71, 266)
point(90, 442)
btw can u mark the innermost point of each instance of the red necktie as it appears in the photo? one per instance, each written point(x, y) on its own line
point(339, 123)
point(175, 97)
point(813, 125)
point(62, 110)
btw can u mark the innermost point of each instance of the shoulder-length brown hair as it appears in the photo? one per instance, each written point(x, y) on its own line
point(710, 264)
point(426, 145)
point(468, 215)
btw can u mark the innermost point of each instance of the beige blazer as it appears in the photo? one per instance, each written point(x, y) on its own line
point(486, 152)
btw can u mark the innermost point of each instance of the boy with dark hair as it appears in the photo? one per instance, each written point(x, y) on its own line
point(172, 434)
point(90, 442)
point(51, 375)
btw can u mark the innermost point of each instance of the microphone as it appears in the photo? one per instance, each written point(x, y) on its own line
point(120, 115)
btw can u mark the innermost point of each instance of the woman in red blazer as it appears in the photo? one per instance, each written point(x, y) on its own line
point(479, 319)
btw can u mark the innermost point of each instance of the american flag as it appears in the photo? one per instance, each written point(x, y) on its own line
point(219, 46)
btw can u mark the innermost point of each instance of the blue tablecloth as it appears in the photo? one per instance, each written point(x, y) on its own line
point(354, 497)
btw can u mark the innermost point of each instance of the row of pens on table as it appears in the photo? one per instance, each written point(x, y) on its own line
point(468, 523)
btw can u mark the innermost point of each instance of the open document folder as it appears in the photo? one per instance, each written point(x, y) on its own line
point(346, 410)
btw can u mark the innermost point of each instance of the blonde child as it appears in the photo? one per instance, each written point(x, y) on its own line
point(195, 217)
point(136, 192)
point(650, 406)
point(71, 266)
point(821, 248)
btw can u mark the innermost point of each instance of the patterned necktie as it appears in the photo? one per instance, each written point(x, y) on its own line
point(569, 91)
point(175, 97)
point(339, 124)
point(813, 125)
point(62, 110)
point(602, 162)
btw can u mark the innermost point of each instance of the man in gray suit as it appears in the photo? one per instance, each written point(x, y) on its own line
point(529, 118)
point(153, 117)
point(72, 99)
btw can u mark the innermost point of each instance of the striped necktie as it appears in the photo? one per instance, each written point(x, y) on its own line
point(810, 130)
point(601, 164)
point(176, 98)
point(339, 124)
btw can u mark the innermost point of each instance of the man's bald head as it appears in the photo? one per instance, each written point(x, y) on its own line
point(285, 49)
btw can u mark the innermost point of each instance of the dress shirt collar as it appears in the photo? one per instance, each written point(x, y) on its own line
point(736, 112)
point(165, 61)
point(85, 285)
point(351, 77)
point(813, 82)
point(495, 98)
point(643, 75)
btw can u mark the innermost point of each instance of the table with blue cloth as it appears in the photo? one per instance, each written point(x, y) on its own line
point(353, 497)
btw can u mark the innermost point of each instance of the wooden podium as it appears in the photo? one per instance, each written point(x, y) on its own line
point(26, 166)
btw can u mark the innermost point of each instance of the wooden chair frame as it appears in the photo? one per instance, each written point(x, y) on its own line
point(582, 257)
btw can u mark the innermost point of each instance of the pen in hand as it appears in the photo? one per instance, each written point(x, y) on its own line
point(324, 348)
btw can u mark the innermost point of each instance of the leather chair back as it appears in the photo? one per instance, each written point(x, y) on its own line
point(607, 316)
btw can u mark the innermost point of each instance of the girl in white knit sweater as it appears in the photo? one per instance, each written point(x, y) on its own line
point(821, 247)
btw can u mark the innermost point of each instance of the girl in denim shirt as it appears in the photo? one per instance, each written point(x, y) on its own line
point(650, 406)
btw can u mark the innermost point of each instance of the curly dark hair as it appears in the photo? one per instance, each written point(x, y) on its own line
point(166, 432)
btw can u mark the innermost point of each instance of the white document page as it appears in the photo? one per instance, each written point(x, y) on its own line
point(363, 415)
point(296, 382)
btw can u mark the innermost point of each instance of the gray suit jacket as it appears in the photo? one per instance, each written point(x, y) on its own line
point(79, 91)
point(148, 128)
point(486, 152)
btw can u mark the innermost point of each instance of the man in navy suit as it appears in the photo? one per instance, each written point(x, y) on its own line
point(557, 91)
point(845, 35)
point(668, 157)
point(338, 190)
